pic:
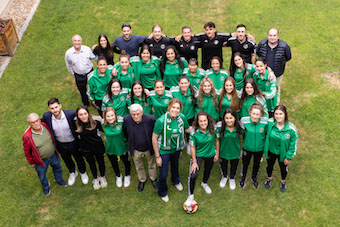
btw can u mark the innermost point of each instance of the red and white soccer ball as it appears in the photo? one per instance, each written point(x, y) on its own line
point(191, 209)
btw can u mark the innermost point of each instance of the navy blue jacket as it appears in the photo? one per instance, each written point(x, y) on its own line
point(149, 122)
point(70, 115)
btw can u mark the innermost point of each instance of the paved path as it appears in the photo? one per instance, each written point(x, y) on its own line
point(4, 5)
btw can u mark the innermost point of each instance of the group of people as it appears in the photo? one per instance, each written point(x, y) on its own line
point(157, 103)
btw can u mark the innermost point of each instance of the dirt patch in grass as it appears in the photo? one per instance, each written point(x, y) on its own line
point(333, 78)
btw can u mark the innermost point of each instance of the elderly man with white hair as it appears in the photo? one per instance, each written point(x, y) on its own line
point(138, 128)
point(40, 151)
point(78, 62)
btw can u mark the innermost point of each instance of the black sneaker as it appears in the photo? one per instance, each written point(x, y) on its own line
point(62, 183)
point(283, 187)
point(242, 182)
point(268, 183)
point(255, 182)
point(47, 192)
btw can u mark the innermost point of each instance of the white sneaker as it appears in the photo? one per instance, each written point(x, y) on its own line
point(119, 181)
point(84, 178)
point(96, 184)
point(103, 182)
point(189, 200)
point(232, 184)
point(72, 178)
point(188, 149)
point(127, 181)
point(165, 198)
point(223, 182)
point(179, 186)
point(206, 188)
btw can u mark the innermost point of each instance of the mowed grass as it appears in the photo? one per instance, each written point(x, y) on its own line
point(38, 72)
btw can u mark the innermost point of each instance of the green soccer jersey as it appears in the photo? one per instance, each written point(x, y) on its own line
point(172, 72)
point(230, 146)
point(254, 134)
point(145, 103)
point(159, 103)
point(126, 79)
point(196, 79)
point(204, 143)
point(268, 88)
point(146, 73)
point(281, 142)
point(171, 133)
point(116, 143)
point(226, 102)
point(97, 84)
point(250, 99)
point(217, 78)
point(118, 102)
point(187, 101)
point(208, 106)
point(238, 76)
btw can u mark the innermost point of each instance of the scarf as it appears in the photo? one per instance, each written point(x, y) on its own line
point(180, 143)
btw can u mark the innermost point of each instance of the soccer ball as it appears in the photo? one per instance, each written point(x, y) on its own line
point(191, 209)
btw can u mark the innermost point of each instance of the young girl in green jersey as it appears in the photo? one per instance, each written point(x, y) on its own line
point(281, 144)
point(172, 66)
point(159, 99)
point(125, 73)
point(207, 99)
point(267, 86)
point(116, 98)
point(116, 146)
point(230, 147)
point(216, 73)
point(255, 128)
point(168, 142)
point(228, 97)
point(194, 74)
point(240, 71)
point(251, 93)
point(137, 95)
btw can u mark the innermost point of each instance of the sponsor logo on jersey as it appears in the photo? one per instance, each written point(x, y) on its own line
point(166, 101)
point(245, 46)
point(287, 136)
point(261, 130)
point(216, 42)
point(162, 46)
point(192, 48)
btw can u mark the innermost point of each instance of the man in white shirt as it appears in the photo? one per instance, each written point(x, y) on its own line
point(78, 62)
point(63, 128)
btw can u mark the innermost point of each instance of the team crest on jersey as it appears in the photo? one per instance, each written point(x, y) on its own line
point(176, 66)
point(267, 83)
point(287, 136)
point(189, 99)
point(162, 46)
point(221, 78)
point(174, 131)
point(118, 127)
point(166, 101)
point(192, 48)
point(198, 81)
point(206, 41)
point(261, 130)
point(146, 104)
point(181, 45)
point(216, 42)
point(245, 46)
point(151, 45)
point(133, 75)
point(122, 98)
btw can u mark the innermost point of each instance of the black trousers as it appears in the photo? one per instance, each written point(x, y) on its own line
point(208, 164)
point(81, 81)
point(270, 165)
point(114, 161)
point(233, 167)
point(246, 160)
point(96, 155)
point(67, 150)
point(190, 121)
point(99, 104)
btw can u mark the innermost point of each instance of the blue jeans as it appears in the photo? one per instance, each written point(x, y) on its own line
point(163, 172)
point(41, 171)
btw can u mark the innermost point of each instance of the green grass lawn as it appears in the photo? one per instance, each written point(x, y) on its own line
point(38, 72)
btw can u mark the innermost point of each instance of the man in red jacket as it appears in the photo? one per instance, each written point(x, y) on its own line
point(40, 151)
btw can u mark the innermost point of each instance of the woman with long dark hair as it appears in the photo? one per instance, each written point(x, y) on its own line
point(104, 48)
point(125, 72)
point(159, 99)
point(217, 74)
point(281, 144)
point(228, 97)
point(138, 96)
point(194, 74)
point(91, 144)
point(207, 99)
